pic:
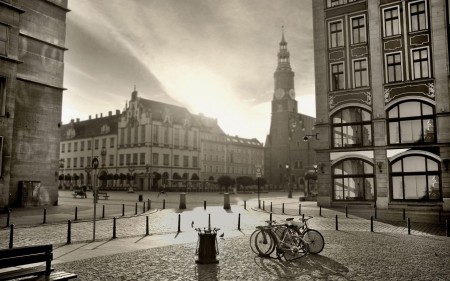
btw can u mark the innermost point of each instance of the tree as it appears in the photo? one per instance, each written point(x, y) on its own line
point(245, 181)
point(225, 181)
point(262, 181)
point(195, 177)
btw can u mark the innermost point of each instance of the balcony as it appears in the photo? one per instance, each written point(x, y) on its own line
point(335, 3)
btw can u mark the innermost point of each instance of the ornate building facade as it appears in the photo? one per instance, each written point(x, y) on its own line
point(285, 144)
point(384, 109)
point(32, 46)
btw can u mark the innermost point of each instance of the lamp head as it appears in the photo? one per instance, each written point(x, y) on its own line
point(315, 168)
point(305, 138)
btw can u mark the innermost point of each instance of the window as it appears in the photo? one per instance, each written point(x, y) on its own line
point(121, 159)
point(420, 63)
point(129, 159)
point(177, 136)
point(166, 135)
point(353, 179)
point(103, 160)
point(217, 158)
point(96, 144)
point(204, 168)
point(210, 157)
point(75, 146)
point(195, 139)
point(337, 76)
point(89, 161)
point(136, 134)
point(166, 159)
point(75, 160)
point(81, 162)
point(82, 146)
point(352, 127)
point(360, 73)
point(210, 169)
point(186, 137)
point(391, 22)
point(217, 169)
point(155, 133)
point(142, 158)
point(111, 142)
point(111, 160)
point(155, 159)
point(63, 147)
point(358, 30)
point(415, 177)
point(135, 158)
point(128, 135)
point(3, 40)
point(103, 143)
point(176, 160)
point(122, 136)
point(394, 68)
point(336, 35)
point(69, 147)
point(185, 161)
point(68, 162)
point(418, 16)
point(411, 122)
point(194, 161)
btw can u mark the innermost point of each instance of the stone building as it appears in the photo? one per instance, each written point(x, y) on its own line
point(152, 144)
point(285, 143)
point(32, 46)
point(383, 104)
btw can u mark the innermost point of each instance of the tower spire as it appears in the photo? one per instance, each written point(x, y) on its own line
point(282, 34)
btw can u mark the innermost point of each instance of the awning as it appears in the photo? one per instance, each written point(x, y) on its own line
point(311, 175)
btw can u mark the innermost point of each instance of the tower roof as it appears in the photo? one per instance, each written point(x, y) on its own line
point(282, 36)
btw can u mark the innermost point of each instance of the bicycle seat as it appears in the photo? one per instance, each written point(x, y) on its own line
point(289, 219)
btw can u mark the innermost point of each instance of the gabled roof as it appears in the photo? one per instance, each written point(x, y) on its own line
point(89, 128)
point(208, 124)
point(178, 113)
point(242, 141)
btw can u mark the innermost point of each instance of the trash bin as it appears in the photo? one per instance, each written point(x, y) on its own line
point(141, 197)
point(207, 247)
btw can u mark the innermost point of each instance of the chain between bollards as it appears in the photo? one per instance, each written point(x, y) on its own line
point(11, 236)
point(239, 221)
point(146, 225)
point(123, 210)
point(114, 227)
point(408, 224)
point(371, 223)
point(7, 219)
point(179, 223)
point(45, 215)
point(337, 228)
point(69, 232)
point(76, 212)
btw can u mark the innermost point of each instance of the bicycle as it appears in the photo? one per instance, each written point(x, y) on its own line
point(312, 237)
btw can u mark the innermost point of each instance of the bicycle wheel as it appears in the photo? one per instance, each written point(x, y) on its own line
point(253, 241)
point(292, 246)
point(265, 243)
point(315, 241)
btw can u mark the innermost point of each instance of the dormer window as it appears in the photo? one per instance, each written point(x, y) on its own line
point(70, 133)
point(105, 129)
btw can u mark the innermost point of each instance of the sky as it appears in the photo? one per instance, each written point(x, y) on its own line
point(215, 57)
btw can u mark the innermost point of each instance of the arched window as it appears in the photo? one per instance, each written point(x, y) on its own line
point(411, 122)
point(415, 177)
point(352, 127)
point(353, 179)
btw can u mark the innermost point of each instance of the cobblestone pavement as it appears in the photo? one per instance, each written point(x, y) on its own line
point(346, 256)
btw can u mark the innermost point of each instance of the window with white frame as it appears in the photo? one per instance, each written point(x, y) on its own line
point(393, 67)
point(391, 21)
point(358, 30)
point(336, 34)
point(337, 76)
point(417, 16)
point(3, 39)
point(420, 63)
point(360, 76)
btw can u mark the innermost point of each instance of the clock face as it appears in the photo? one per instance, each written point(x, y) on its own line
point(279, 93)
point(292, 93)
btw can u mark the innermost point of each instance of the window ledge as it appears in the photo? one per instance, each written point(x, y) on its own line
point(419, 32)
point(393, 37)
point(10, 58)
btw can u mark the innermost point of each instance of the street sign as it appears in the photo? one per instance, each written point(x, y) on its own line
point(258, 171)
point(95, 163)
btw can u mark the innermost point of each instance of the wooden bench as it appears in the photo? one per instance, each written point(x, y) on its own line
point(80, 193)
point(103, 194)
point(10, 258)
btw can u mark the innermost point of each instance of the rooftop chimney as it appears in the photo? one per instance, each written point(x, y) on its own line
point(78, 120)
point(96, 116)
point(109, 113)
point(101, 115)
point(71, 120)
point(89, 117)
point(117, 111)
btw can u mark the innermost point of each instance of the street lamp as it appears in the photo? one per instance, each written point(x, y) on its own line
point(288, 171)
point(306, 137)
point(131, 168)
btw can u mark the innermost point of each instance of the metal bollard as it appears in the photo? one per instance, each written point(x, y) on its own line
point(303, 217)
point(270, 218)
point(245, 204)
point(69, 232)
point(264, 205)
point(146, 225)
point(143, 207)
point(239, 221)
point(209, 221)
point(375, 212)
point(270, 206)
point(7, 219)
point(320, 210)
point(135, 209)
point(114, 227)
point(371, 223)
point(447, 227)
point(408, 224)
point(337, 228)
point(404, 214)
point(11, 236)
point(299, 209)
point(123, 210)
point(179, 223)
point(103, 212)
point(204, 205)
point(45, 215)
point(346, 211)
point(148, 205)
point(283, 209)
point(76, 212)
point(259, 204)
point(164, 203)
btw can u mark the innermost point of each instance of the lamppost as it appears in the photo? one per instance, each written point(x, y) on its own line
point(61, 165)
point(103, 154)
point(131, 168)
point(288, 172)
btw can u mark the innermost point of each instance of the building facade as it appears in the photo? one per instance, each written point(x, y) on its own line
point(384, 110)
point(152, 144)
point(285, 144)
point(32, 46)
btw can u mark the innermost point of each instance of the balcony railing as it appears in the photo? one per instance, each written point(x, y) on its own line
point(335, 3)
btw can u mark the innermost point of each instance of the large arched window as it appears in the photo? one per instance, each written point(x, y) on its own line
point(415, 177)
point(352, 127)
point(411, 122)
point(353, 179)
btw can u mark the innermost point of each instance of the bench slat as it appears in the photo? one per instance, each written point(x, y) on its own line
point(20, 251)
point(59, 275)
point(8, 275)
point(21, 260)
